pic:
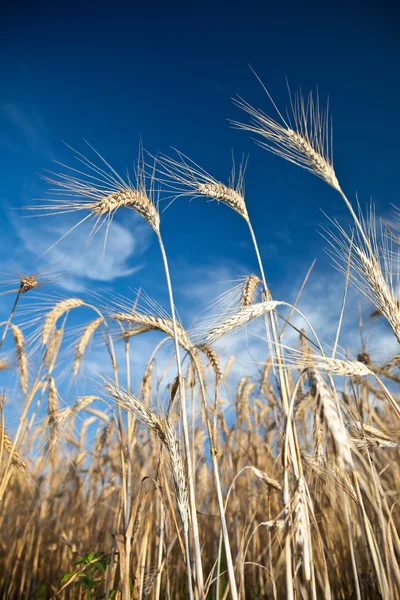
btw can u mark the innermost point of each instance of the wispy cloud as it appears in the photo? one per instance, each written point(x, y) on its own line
point(27, 128)
point(85, 263)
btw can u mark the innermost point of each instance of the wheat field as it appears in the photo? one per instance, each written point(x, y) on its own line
point(174, 484)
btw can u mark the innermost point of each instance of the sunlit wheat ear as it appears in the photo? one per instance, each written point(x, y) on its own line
point(3, 365)
point(95, 188)
point(266, 479)
point(8, 446)
point(133, 405)
point(328, 410)
point(53, 348)
point(303, 138)
point(21, 357)
point(178, 472)
point(318, 438)
point(67, 414)
point(56, 312)
point(27, 283)
point(242, 400)
point(52, 409)
point(213, 359)
point(239, 319)
point(166, 434)
point(83, 342)
point(249, 290)
point(185, 178)
point(336, 366)
point(365, 436)
point(301, 527)
point(146, 322)
point(374, 275)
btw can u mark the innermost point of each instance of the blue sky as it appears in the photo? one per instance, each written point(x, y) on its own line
point(112, 72)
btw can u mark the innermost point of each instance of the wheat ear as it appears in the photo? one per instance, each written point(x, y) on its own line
point(303, 139)
point(149, 322)
point(249, 290)
point(240, 318)
point(21, 357)
point(8, 445)
point(56, 312)
point(329, 415)
point(83, 342)
point(301, 527)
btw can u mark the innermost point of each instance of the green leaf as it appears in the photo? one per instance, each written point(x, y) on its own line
point(68, 576)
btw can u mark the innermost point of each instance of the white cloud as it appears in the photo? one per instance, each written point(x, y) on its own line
point(81, 262)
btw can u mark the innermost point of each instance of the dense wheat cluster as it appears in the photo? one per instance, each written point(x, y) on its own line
point(180, 485)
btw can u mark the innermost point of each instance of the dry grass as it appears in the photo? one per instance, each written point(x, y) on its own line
point(286, 487)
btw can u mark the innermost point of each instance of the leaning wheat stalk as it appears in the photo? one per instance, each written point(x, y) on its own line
point(167, 436)
point(304, 138)
point(99, 192)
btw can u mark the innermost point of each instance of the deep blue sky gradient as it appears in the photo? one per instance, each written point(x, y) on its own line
point(111, 72)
